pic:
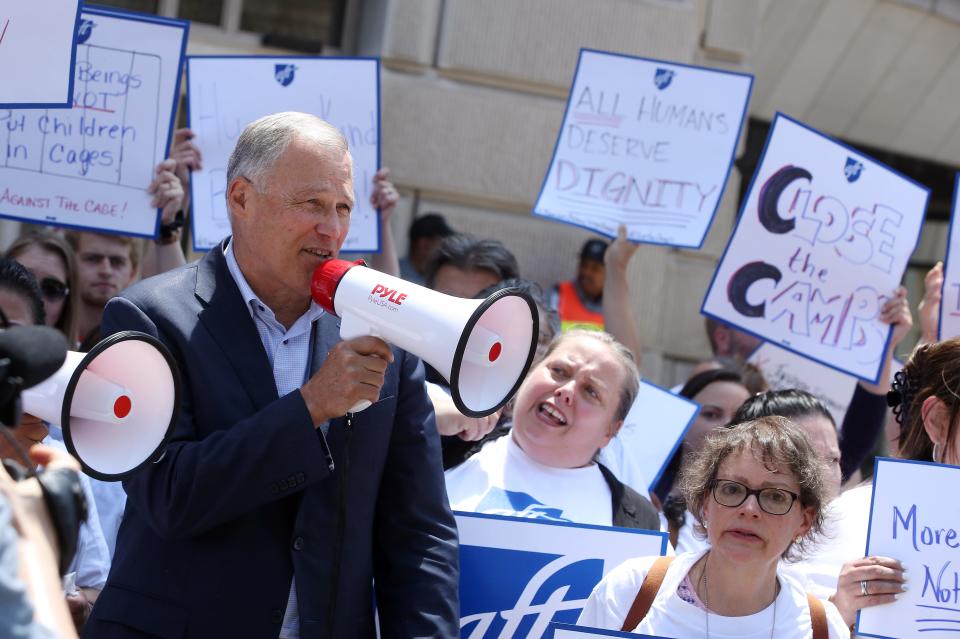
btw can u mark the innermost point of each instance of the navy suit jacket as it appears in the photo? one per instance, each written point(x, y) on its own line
point(243, 497)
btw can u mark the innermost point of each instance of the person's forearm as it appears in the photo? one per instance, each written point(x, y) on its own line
point(386, 260)
point(618, 317)
point(160, 258)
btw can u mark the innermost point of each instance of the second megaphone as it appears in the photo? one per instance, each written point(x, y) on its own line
point(482, 347)
point(117, 404)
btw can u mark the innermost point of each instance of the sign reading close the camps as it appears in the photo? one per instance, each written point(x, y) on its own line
point(37, 45)
point(90, 166)
point(914, 519)
point(227, 93)
point(651, 432)
point(519, 575)
point(645, 143)
point(822, 242)
point(949, 325)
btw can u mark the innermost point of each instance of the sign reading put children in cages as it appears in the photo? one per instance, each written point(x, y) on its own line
point(645, 143)
point(822, 242)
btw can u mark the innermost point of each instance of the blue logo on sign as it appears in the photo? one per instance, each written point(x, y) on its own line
point(852, 170)
point(662, 78)
point(85, 30)
point(498, 501)
point(514, 593)
point(284, 73)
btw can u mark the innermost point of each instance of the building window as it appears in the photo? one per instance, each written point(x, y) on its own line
point(301, 25)
point(143, 6)
point(205, 11)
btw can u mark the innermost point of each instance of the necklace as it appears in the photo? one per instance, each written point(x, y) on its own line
point(706, 601)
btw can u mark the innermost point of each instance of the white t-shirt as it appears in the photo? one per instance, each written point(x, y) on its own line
point(844, 539)
point(503, 480)
point(671, 616)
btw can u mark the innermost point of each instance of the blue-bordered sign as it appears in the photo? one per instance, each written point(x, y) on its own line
point(566, 631)
point(915, 520)
point(814, 256)
point(89, 166)
point(646, 143)
point(519, 575)
point(38, 44)
point(225, 93)
point(652, 431)
point(949, 324)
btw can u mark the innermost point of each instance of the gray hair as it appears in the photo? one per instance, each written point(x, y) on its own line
point(263, 141)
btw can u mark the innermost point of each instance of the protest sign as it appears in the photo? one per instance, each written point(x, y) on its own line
point(90, 166)
point(37, 48)
point(915, 519)
point(565, 631)
point(225, 93)
point(784, 370)
point(646, 143)
point(651, 432)
point(949, 325)
point(822, 242)
point(518, 575)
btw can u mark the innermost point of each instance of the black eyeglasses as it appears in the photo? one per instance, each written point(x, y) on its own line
point(731, 494)
point(53, 290)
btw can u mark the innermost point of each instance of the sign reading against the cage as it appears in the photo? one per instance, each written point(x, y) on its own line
point(645, 143)
point(90, 166)
point(37, 46)
point(950, 298)
point(784, 370)
point(913, 521)
point(822, 242)
point(225, 93)
point(565, 631)
point(519, 575)
point(651, 432)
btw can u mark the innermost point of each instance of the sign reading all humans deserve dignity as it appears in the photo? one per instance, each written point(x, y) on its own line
point(646, 143)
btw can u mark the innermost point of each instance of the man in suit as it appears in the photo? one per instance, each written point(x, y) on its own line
point(274, 512)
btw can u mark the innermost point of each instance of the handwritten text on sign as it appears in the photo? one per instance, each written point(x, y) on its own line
point(518, 575)
point(822, 241)
point(36, 52)
point(913, 522)
point(227, 93)
point(646, 143)
point(950, 304)
point(90, 166)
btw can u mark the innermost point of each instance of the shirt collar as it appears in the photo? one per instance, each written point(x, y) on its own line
point(250, 298)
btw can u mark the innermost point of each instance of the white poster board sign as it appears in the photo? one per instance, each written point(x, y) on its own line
point(785, 370)
point(519, 575)
point(949, 325)
point(225, 93)
point(822, 242)
point(915, 519)
point(89, 167)
point(565, 631)
point(646, 143)
point(651, 433)
point(37, 48)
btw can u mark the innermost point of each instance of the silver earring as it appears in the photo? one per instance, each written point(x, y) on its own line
point(936, 453)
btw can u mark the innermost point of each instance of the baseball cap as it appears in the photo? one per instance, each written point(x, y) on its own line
point(593, 249)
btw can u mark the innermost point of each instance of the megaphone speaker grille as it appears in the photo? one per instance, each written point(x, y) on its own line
point(494, 353)
point(138, 416)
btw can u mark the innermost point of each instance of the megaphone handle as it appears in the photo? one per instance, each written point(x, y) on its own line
point(363, 404)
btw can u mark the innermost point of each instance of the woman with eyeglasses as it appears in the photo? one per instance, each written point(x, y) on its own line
point(757, 492)
point(51, 260)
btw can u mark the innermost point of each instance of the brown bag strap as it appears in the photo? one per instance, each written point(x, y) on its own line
point(818, 618)
point(647, 593)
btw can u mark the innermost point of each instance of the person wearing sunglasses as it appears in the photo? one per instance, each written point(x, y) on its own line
point(757, 492)
point(52, 261)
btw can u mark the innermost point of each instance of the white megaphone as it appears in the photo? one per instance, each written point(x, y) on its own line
point(482, 347)
point(117, 404)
